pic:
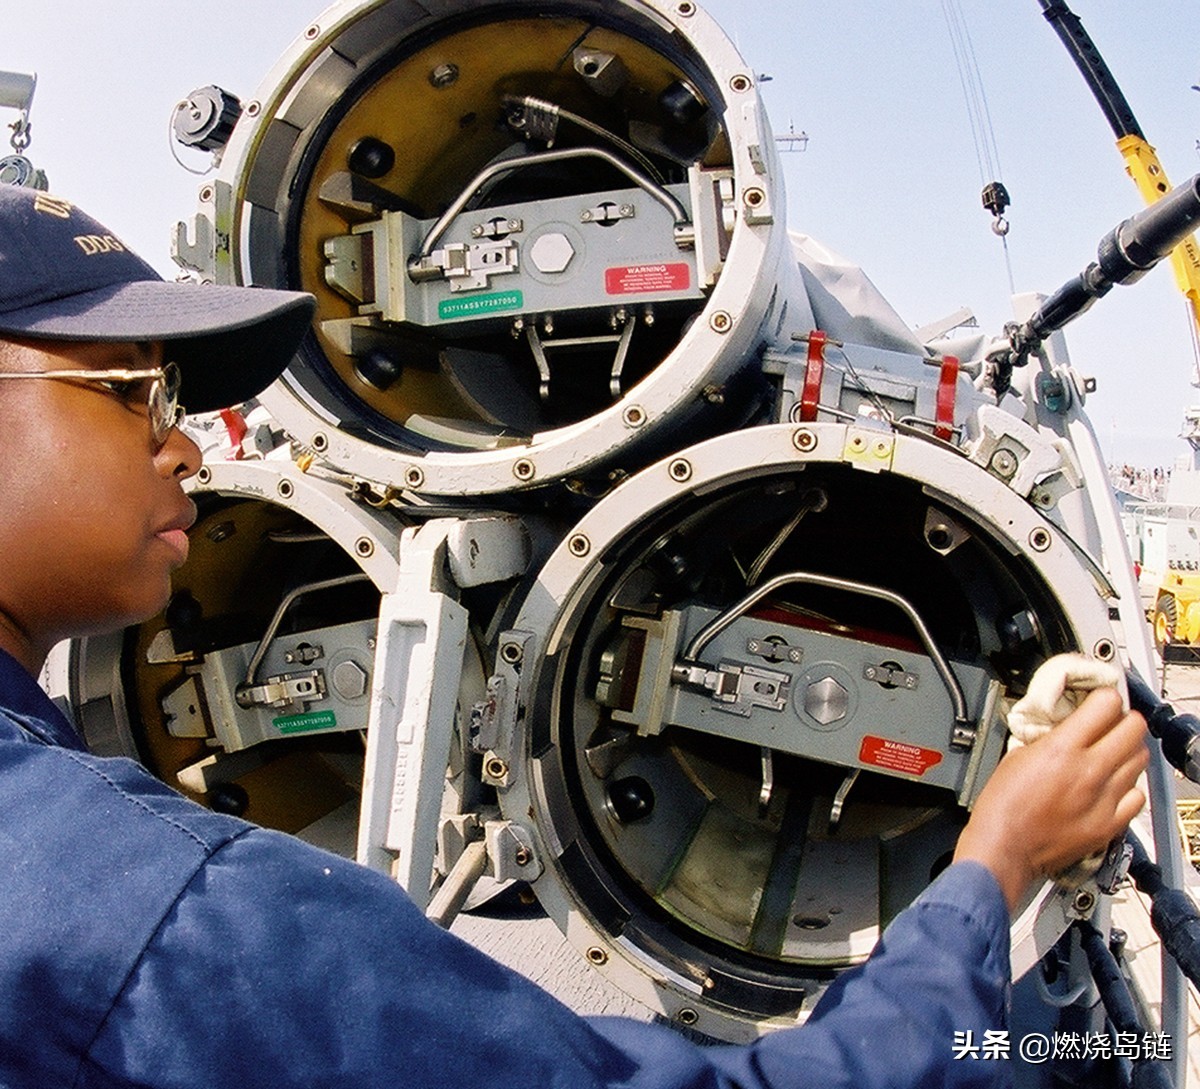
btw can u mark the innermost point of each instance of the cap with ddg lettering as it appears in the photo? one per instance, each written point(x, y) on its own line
point(63, 276)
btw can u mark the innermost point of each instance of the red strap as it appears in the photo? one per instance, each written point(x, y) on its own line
point(235, 428)
point(947, 387)
point(810, 398)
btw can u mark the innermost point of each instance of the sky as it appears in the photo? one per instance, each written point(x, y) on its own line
point(890, 178)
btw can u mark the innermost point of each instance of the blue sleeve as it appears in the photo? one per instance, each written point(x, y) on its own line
point(283, 966)
point(941, 967)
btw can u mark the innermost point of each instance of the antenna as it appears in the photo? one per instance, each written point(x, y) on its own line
point(792, 140)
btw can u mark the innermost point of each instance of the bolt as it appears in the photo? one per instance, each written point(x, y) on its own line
point(496, 768)
point(1104, 650)
point(1084, 901)
point(1004, 463)
point(680, 469)
point(804, 440)
point(754, 197)
point(204, 475)
point(882, 446)
point(687, 1016)
point(512, 653)
point(858, 444)
point(444, 75)
point(794, 656)
point(634, 416)
point(222, 531)
point(1117, 939)
point(739, 83)
point(585, 216)
point(252, 110)
point(826, 701)
point(477, 231)
point(364, 546)
point(349, 680)
point(523, 469)
point(714, 395)
point(939, 537)
point(414, 477)
point(319, 442)
point(1039, 539)
point(312, 32)
point(514, 224)
point(285, 489)
point(207, 194)
point(596, 955)
point(523, 856)
point(721, 322)
point(579, 545)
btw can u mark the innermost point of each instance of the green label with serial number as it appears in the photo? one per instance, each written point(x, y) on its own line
point(299, 724)
point(480, 304)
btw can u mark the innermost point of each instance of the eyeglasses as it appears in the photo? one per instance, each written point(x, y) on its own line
point(162, 399)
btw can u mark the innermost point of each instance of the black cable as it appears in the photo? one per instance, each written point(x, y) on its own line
point(1178, 733)
point(1173, 913)
point(1091, 65)
point(1119, 1005)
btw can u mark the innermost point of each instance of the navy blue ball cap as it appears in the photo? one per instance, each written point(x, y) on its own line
point(63, 276)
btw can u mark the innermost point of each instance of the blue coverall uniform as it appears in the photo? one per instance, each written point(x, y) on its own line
point(149, 942)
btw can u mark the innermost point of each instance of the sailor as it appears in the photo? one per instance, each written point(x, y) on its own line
point(150, 942)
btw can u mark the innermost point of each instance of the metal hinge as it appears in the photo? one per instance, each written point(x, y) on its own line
point(284, 689)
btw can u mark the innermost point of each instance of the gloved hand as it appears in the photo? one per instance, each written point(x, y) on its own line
point(1058, 687)
point(1059, 798)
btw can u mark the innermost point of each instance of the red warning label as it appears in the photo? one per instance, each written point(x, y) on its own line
point(642, 279)
point(897, 755)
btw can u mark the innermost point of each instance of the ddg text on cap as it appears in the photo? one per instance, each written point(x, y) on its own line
point(64, 276)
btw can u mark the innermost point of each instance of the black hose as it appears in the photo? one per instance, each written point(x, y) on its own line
point(1096, 73)
point(1137, 245)
point(1119, 1006)
point(1173, 913)
point(1124, 256)
point(1178, 733)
